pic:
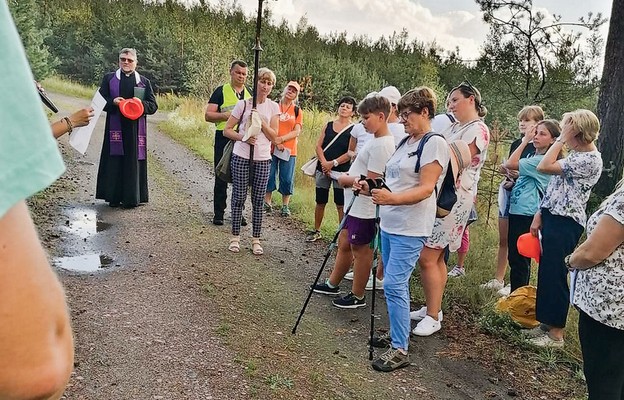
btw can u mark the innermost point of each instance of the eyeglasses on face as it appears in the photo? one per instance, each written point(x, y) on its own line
point(124, 59)
point(405, 115)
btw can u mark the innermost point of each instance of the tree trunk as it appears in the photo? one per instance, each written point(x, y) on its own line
point(611, 104)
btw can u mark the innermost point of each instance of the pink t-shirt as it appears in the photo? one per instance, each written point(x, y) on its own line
point(262, 148)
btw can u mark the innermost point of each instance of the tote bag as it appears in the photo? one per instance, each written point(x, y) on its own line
point(309, 168)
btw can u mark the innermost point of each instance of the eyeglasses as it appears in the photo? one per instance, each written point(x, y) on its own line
point(124, 59)
point(405, 115)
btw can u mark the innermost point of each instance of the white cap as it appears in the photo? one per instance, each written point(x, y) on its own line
point(371, 94)
point(391, 93)
point(442, 122)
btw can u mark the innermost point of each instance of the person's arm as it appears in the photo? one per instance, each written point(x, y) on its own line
point(36, 346)
point(271, 128)
point(67, 124)
point(429, 175)
point(290, 135)
point(549, 164)
point(149, 102)
point(604, 239)
point(536, 225)
point(513, 163)
point(105, 92)
point(212, 110)
point(229, 131)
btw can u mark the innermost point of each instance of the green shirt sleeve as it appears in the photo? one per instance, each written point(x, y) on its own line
point(29, 156)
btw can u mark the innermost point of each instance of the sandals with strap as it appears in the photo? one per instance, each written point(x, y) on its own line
point(256, 248)
point(234, 244)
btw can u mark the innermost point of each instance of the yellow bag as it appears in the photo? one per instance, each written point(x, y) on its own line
point(520, 305)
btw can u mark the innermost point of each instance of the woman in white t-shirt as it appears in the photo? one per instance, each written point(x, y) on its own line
point(407, 216)
point(268, 110)
point(599, 297)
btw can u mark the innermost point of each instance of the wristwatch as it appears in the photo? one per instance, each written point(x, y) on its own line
point(335, 163)
point(559, 139)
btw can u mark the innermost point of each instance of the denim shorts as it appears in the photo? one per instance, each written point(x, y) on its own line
point(503, 202)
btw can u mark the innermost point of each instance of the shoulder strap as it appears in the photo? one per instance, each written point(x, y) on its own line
point(402, 142)
point(451, 117)
point(337, 135)
point(421, 146)
point(296, 111)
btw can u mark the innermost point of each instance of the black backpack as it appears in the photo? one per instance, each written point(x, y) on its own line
point(446, 197)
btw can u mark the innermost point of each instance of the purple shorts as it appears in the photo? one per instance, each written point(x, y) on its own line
point(360, 231)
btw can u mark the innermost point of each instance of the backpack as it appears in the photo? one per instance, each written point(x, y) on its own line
point(520, 305)
point(446, 196)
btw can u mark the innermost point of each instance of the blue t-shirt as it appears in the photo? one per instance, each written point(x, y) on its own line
point(529, 188)
point(29, 156)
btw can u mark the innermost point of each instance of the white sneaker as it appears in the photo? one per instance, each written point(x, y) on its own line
point(428, 326)
point(349, 276)
point(493, 284)
point(378, 284)
point(457, 272)
point(504, 291)
point(419, 315)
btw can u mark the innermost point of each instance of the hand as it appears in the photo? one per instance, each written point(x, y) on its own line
point(508, 185)
point(530, 134)
point(361, 187)
point(81, 117)
point(327, 166)
point(502, 169)
point(567, 132)
point(117, 100)
point(536, 225)
point(382, 196)
point(513, 174)
point(279, 140)
point(280, 147)
point(251, 141)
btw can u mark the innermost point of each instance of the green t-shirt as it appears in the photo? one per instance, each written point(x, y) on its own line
point(29, 156)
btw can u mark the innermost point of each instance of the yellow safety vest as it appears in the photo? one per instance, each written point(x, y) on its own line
point(229, 101)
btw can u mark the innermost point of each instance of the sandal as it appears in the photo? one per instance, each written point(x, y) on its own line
point(234, 244)
point(255, 247)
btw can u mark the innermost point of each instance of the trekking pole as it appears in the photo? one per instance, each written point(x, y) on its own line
point(331, 247)
point(254, 93)
point(376, 244)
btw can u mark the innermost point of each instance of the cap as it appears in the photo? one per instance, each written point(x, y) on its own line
point(529, 246)
point(371, 94)
point(391, 93)
point(294, 84)
point(131, 108)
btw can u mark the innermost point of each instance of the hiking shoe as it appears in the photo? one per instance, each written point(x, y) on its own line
point(547, 341)
point(427, 327)
point(285, 211)
point(267, 207)
point(536, 332)
point(493, 284)
point(324, 288)
point(391, 360)
point(378, 284)
point(313, 236)
point(506, 291)
point(349, 276)
point(381, 341)
point(243, 221)
point(350, 301)
point(419, 315)
point(217, 221)
point(457, 272)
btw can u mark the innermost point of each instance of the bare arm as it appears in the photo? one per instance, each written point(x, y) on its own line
point(319, 145)
point(77, 119)
point(229, 131)
point(36, 350)
point(290, 135)
point(429, 175)
point(604, 239)
point(212, 115)
point(270, 130)
point(514, 159)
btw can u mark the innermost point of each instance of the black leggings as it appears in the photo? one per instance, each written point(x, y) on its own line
point(519, 266)
point(603, 355)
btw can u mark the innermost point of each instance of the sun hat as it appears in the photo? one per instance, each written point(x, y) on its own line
point(529, 246)
point(294, 84)
point(460, 157)
point(391, 93)
point(131, 108)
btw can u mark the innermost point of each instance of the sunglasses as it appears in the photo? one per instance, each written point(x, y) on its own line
point(124, 59)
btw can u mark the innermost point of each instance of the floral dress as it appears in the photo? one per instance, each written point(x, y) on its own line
point(449, 230)
point(599, 291)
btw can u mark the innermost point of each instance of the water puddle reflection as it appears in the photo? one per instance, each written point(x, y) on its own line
point(83, 222)
point(85, 263)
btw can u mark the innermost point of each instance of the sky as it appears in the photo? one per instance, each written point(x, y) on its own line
point(450, 23)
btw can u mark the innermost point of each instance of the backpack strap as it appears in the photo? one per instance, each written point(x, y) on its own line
point(421, 146)
point(296, 111)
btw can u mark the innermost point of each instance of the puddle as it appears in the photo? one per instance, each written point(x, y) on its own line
point(85, 263)
point(83, 222)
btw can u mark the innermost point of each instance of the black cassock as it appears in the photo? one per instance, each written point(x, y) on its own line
point(123, 179)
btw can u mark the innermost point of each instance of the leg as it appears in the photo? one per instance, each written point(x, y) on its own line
point(339, 200)
point(271, 183)
point(520, 266)
point(603, 351)
point(501, 259)
point(240, 180)
point(343, 259)
point(261, 171)
point(433, 275)
point(286, 183)
point(219, 199)
point(362, 264)
point(322, 197)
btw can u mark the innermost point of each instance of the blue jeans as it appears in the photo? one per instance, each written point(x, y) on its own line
point(286, 172)
point(399, 254)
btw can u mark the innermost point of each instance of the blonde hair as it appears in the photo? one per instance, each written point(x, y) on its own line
point(584, 123)
point(531, 113)
point(417, 99)
point(266, 74)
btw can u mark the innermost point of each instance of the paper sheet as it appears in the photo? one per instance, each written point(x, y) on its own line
point(80, 137)
point(282, 154)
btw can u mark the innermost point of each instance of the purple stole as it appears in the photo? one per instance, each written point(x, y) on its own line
point(116, 141)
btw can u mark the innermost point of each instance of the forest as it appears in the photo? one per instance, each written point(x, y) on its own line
point(528, 57)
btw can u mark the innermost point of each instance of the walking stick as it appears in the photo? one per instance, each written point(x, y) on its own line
point(331, 247)
point(376, 245)
point(254, 95)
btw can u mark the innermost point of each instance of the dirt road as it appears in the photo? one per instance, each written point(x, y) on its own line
point(169, 313)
